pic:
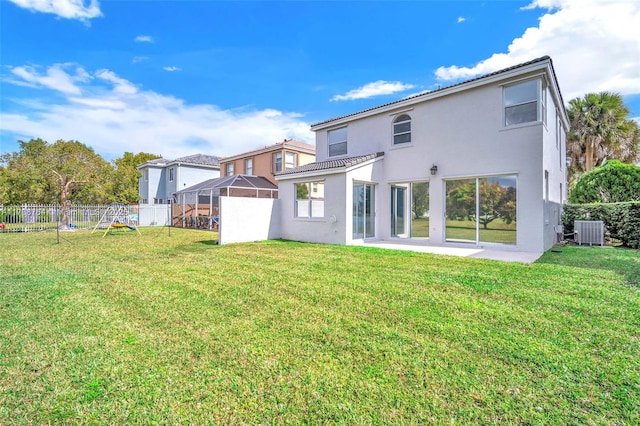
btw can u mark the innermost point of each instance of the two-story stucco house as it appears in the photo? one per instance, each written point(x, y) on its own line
point(161, 178)
point(478, 163)
point(269, 160)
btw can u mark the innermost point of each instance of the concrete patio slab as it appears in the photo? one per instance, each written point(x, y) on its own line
point(474, 252)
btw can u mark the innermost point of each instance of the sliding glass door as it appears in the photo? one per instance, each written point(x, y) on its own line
point(363, 210)
point(410, 210)
point(399, 223)
point(482, 210)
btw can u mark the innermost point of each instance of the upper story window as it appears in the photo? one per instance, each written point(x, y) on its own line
point(145, 174)
point(277, 162)
point(402, 129)
point(172, 176)
point(524, 102)
point(337, 141)
point(290, 160)
point(248, 166)
point(229, 169)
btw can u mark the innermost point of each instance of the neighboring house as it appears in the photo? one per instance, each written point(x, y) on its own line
point(269, 160)
point(161, 178)
point(478, 163)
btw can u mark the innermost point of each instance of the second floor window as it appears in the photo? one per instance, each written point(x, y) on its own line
point(171, 174)
point(402, 129)
point(524, 103)
point(145, 174)
point(337, 141)
point(277, 162)
point(290, 160)
point(248, 166)
point(229, 171)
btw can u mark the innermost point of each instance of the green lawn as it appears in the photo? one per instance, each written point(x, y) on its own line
point(176, 330)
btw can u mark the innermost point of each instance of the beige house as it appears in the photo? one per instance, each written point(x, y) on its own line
point(269, 160)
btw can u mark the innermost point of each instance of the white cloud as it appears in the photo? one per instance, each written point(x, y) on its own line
point(138, 59)
point(144, 39)
point(594, 45)
point(461, 19)
point(56, 78)
point(70, 9)
point(114, 115)
point(376, 88)
point(172, 69)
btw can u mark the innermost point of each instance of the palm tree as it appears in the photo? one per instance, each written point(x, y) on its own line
point(600, 131)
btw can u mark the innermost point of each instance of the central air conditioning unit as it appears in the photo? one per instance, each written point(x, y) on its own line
point(589, 232)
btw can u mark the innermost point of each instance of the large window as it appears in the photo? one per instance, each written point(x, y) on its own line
point(337, 141)
point(248, 166)
point(524, 103)
point(482, 210)
point(290, 160)
point(309, 199)
point(229, 169)
point(402, 129)
point(277, 162)
point(364, 208)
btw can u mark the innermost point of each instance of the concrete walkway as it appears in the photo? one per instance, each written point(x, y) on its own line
point(475, 252)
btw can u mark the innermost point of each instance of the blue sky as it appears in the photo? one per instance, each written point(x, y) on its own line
point(181, 77)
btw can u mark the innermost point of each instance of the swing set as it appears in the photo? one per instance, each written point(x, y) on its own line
point(116, 219)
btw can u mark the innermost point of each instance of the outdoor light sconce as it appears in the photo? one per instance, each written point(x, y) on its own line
point(434, 170)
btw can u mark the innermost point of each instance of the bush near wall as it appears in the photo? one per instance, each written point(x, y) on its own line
point(622, 220)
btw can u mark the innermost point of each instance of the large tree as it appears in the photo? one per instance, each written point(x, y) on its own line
point(124, 186)
point(64, 171)
point(600, 131)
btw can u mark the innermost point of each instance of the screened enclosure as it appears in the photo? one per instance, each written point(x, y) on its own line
point(198, 206)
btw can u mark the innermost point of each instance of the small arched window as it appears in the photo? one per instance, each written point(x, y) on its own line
point(402, 129)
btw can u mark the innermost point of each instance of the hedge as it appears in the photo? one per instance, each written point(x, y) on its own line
point(621, 220)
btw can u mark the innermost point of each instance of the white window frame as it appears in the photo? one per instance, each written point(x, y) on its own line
point(277, 162)
point(540, 101)
point(229, 169)
point(312, 188)
point(399, 133)
point(335, 140)
point(287, 157)
point(145, 175)
point(248, 166)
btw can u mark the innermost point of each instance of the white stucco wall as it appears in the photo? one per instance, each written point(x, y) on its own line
point(332, 228)
point(463, 134)
point(248, 219)
point(154, 186)
point(191, 175)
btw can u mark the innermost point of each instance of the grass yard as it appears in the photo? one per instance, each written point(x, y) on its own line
point(176, 330)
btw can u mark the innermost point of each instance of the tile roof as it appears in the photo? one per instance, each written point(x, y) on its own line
point(200, 159)
point(524, 64)
point(332, 164)
point(287, 143)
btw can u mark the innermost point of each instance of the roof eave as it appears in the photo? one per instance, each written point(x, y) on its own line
point(543, 64)
point(331, 171)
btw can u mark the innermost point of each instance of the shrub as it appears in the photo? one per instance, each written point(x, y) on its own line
point(622, 220)
point(613, 182)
